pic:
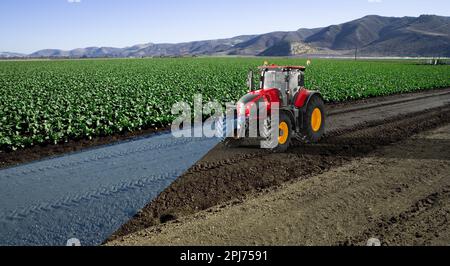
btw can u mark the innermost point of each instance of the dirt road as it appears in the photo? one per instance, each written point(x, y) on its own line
point(232, 176)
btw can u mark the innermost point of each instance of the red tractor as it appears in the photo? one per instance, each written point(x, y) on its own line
point(302, 113)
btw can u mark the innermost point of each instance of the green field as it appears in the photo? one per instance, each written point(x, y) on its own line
point(54, 101)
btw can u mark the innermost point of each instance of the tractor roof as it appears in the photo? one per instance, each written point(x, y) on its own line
point(276, 67)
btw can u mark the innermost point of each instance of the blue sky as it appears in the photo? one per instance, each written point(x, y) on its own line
point(30, 25)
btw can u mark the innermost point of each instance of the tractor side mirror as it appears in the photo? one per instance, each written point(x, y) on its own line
point(301, 79)
point(250, 81)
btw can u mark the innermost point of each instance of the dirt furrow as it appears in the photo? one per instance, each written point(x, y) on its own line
point(399, 194)
point(214, 182)
point(431, 213)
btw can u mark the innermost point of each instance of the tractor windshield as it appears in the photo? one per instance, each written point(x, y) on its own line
point(274, 79)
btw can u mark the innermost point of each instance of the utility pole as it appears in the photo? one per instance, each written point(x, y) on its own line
point(356, 52)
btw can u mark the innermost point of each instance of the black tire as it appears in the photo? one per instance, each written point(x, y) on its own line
point(314, 135)
point(283, 147)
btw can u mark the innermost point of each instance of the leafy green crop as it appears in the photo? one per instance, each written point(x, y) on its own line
point(55, 101)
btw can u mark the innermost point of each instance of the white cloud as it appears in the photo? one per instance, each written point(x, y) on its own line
point(375, 1)
point(73, 1)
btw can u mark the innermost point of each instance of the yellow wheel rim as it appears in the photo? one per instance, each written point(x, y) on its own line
point(316, 120)
point(284, 133)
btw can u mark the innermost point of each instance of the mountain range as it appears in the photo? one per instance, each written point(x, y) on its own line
point(11, 55)
point(427, 35)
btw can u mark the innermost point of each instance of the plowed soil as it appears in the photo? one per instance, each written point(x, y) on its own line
point(227, 180)
point(399, 194)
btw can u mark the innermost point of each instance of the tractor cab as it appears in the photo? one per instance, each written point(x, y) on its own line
point(287, 79)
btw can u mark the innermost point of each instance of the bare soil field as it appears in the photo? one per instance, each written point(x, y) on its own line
point(399, 194)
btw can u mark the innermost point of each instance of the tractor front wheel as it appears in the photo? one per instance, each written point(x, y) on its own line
point(314, 120)
point(285, 133)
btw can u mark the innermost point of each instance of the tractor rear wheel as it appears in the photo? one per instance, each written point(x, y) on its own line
point(314, 120)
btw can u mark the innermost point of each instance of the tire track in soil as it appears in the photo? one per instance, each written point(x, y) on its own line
point(70, 201)
point(64, 195)
point(386, 103)
point(387, 229)
point(216, 182)
point(111, 155)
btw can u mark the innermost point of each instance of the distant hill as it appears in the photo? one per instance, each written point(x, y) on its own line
point(266, 44)
point(427, 35)
point(209, 47)
point(10, 55)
